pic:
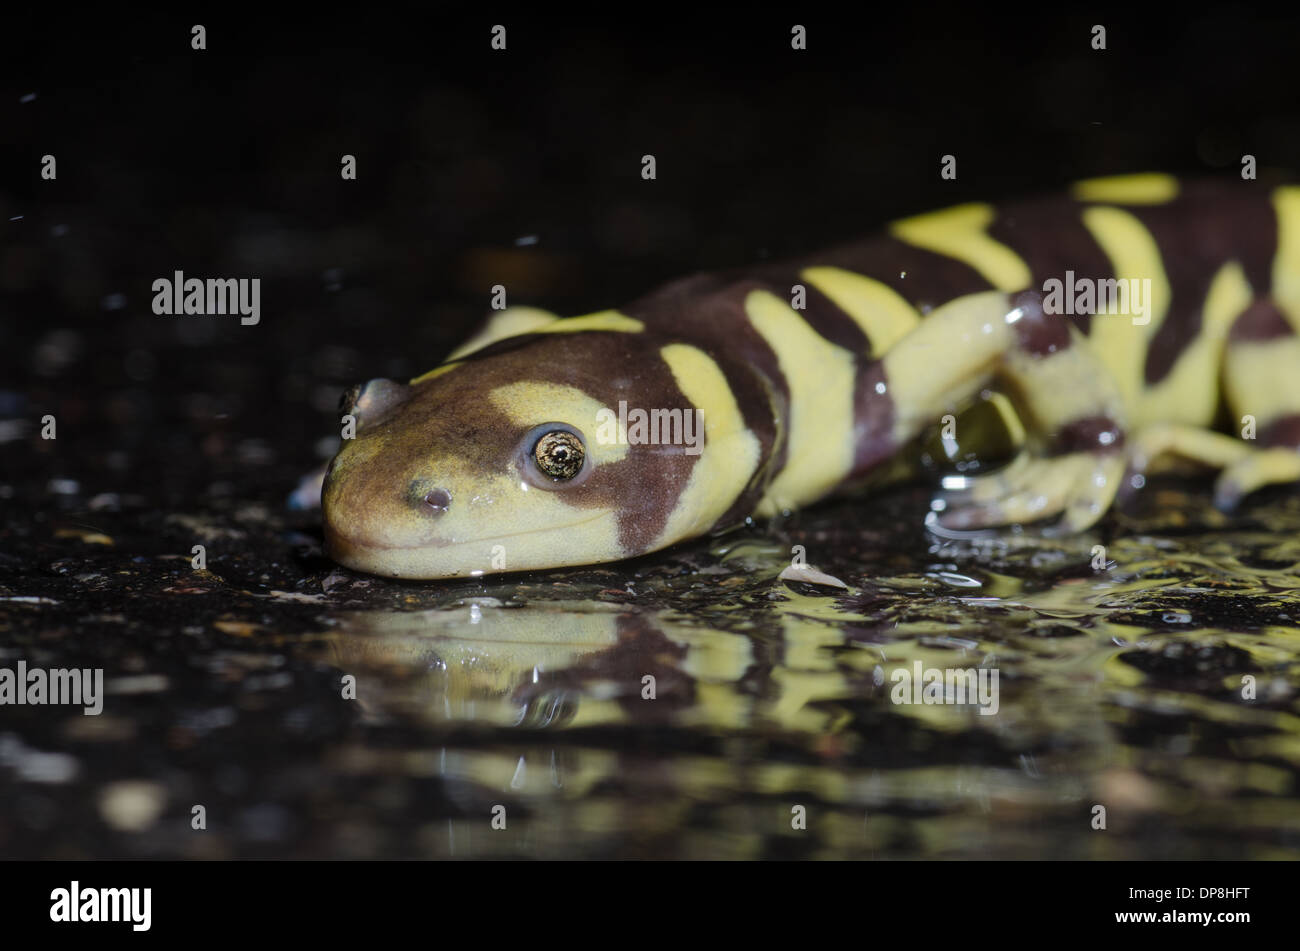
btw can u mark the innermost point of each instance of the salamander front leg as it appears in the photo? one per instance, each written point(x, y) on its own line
point(1067, 401)
point(1076, 488)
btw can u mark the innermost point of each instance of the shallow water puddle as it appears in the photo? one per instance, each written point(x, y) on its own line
point(699, 716)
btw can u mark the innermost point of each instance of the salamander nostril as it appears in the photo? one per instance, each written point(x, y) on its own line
point(438, 500)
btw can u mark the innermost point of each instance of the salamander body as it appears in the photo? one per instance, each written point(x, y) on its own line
point(1121, 321)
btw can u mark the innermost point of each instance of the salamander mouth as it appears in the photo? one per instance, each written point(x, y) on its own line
point(333, 535)
point(364, 554)
point(338, 541)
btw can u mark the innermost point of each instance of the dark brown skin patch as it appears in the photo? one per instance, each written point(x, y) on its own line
point(923, 278)
point(1038, 333)
point(1205, 227)
point(873, 419)
point(1260, 322)
point(1283, 432)
point(1090, 434)
point(828, 319)
point(1050, 237)
point(708, 312)
point(759, 402)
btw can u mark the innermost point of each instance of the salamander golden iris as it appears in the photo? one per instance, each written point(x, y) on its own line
point(1121, 320)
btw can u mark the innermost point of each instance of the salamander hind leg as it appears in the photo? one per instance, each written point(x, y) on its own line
point(1261, 381)
point(1262, 390)
point(1160, 447)
point(1066, 397)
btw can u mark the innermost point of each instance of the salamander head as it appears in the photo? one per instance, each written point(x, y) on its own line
point(512, 459)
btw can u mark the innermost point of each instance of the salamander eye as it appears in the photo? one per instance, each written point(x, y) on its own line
point(559, 454)
point(553, 457)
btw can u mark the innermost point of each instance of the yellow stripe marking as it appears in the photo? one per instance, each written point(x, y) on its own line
point(960, 233)
point(506, 323)
point(731, 450)
point(1146, 189)
point(1118, 341)
point(1188, 394)
point(514, 321)
point(530, 403)
point(1286, 264)
point(882, 313)
point(604, 320)
point(820, 377)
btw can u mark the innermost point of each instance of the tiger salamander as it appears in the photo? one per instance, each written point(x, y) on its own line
point(1123, 321)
